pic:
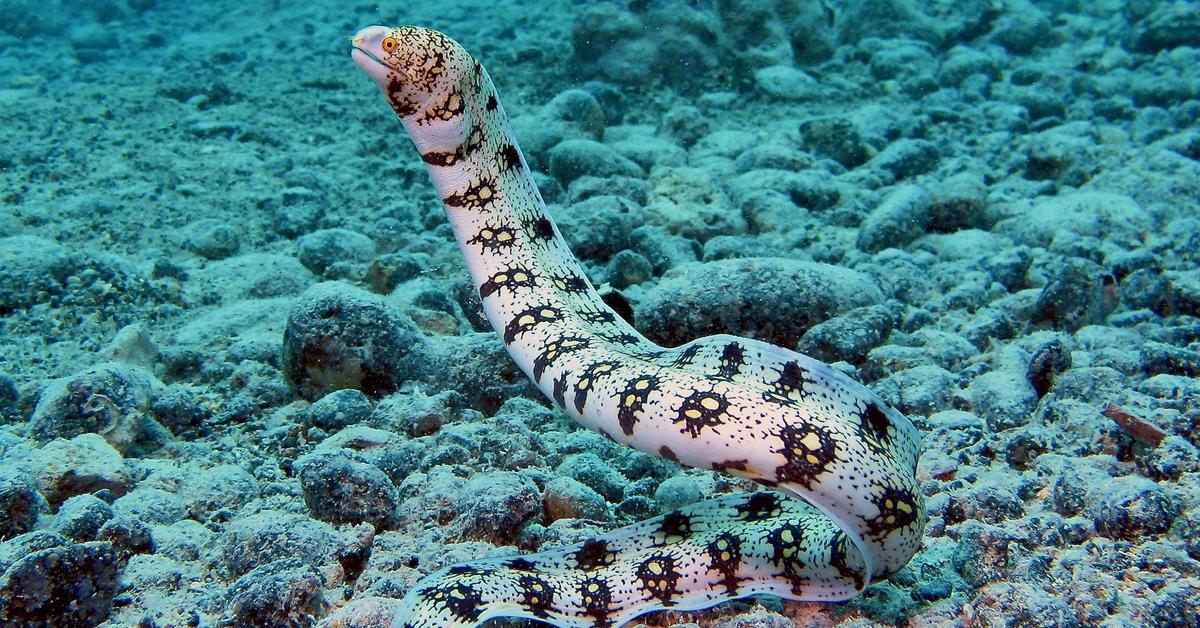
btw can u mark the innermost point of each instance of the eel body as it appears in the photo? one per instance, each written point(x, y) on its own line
point(845, 508)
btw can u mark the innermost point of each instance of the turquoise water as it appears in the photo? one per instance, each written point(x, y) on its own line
point(245, 378)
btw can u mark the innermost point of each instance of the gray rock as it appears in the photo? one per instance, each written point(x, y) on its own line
point(19, 503)
point(68, 585)
point(281, 593)
point(84, 464)
point(982, 553)
point(783, 82)
point(566, 498)
point(493, 507)
point(338, 409)
point(1075, 295)
point(339, 487)
point(1131, 507)
point(906, 158)
point(151, 505)
point(218, 491)
point(958, 203)
point(270, 535)
point(963, 62)
point(676, 492)
point(340, 337)
point(211, 238)
point(836, 137)
point(887, 18)
point(600, 226)
point(628, 268)
point(1169, 25)
point(901, 218)
point(332, 252)
point(592, 471)
point(918, 390)
point(112, 400)
point(772, 299)
point(899, 59)
point(1022, 27)
point(478, 367)
point(1022, 604)
point(1003, 398)
point(571, 114)
point(81, 517)
point(852, 335)
point(571, 159)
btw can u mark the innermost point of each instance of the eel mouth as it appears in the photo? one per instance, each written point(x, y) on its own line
point(368, 54)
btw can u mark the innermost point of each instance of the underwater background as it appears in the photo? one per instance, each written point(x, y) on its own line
point(245, 379)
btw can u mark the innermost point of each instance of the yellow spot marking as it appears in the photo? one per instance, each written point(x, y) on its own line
point(630, 399)
point(811, 459)
point(501, 278)
point(692, 413)
point(710, 403)
point(526, 320)
point(786, 535)
point(503, 236)
point(520, 276)
point(642, 384)
point(811, 441)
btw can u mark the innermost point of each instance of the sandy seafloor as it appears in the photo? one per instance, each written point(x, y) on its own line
point(1009, 192)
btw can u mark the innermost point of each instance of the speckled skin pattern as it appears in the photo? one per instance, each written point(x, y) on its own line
point(846, 508)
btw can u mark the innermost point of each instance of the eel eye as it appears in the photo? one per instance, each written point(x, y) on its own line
point(389, 44)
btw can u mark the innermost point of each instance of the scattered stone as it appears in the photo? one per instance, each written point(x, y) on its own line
point(112, 400)
point(565, 498)
point(784, 82)
point(772, 299)
point(902, 217)
point(571, 159)
point(19, 503)
point(328, 250)
point(281, 593)
point(852, 335)
point(65, 585)
point(340, 487)
point(340, 337)
point(211, 238)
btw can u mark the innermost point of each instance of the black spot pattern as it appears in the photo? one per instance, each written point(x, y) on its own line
point(540, 229)
point(659, 578)
point(587, 379)
point(515, 277)
point(897, 510)
point(510, 157)
point(449, 108)
point(723, 466)
point(731, 361)
point(520, 564)
point(560, 392)
point(527, 320)
point(631, 400)
point(594, 554)
point(536, 595)
point(597, 317)
point(555, 349)
point(597, 600)
point(618, 338)
point(808, 450)
point(571, 284)
point(873, 427)
point(789, 388)
point(492, 103)
point(839, 548)
point(491, 238)
point(725, 556)
point(478, 195)
point(701, 409)
point(675, 527)
point(666, 453)
point(787, 549)
point(461, 600)
point(441, 159)
point(759, 506)
point(686, 356)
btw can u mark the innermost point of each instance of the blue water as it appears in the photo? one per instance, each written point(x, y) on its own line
point(245, 379)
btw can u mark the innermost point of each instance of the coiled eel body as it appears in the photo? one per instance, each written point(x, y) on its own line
point(846, 509)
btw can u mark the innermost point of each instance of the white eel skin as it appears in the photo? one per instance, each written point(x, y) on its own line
point(846, 509)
